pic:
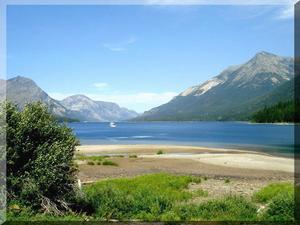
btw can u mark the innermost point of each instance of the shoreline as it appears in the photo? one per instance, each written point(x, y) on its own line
point(223, 158)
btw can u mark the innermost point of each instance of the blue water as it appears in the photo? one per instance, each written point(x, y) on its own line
point(270, 138)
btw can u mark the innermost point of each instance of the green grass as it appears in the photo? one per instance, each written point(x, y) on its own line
point(200, 193)
point(90, 158)
point(272, 190)
point(143, 197)
point(232, 208)
point(165, 197)
point(109, 163)
point(280, 201)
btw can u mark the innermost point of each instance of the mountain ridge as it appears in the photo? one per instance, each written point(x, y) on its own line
point(22, 90)
point(216, 98)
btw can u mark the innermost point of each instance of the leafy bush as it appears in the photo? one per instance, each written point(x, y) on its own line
point(133, 156)
point(40, 168)
point(91, 163)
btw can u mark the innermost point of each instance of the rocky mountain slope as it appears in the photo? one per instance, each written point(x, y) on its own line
point(88, 110)
point(22, 90)
point(232, 95)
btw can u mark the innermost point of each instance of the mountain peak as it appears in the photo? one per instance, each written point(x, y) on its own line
point(264, 53)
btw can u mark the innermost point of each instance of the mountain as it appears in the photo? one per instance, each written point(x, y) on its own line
point(22, 90)
point(88, 110)
point(234, 94)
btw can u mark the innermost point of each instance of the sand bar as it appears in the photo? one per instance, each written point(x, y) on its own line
point(239, 159)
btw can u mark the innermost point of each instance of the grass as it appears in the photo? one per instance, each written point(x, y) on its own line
point(200, 193)
point(232, 208)
point(273, 190)
point(91, 158)
point(143, 197)
point(279, 197)
point(97, 160)
point(165, 197)
point(109, 163)
point(133, 156)
point(159, 152)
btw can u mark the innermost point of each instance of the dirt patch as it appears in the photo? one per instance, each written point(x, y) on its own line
point(128, 167)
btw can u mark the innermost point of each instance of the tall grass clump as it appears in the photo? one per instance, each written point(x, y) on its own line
point(145, 197)
point(280, 201)
point(233, 208)
point(270, 191)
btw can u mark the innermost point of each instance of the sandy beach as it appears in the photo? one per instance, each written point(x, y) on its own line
point(202, 161)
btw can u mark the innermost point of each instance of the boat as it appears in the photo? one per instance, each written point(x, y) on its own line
point(112, 124)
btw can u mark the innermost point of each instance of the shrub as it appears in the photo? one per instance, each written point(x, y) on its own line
point(227, 181)
point(133, 156)
point(109, 163)
point(160, 152)
point(39, 156)
point(91, 163)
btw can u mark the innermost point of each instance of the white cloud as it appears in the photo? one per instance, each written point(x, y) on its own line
point(120, 46)
point(100, 85)
point(287, 12)
point(140, 101)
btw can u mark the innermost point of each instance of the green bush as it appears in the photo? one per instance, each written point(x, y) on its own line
point(109, 163)
point(133, 156)
point(91, 163)
point(39, 157)
point(160, 152)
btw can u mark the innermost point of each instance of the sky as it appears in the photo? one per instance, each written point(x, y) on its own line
point(139, 56)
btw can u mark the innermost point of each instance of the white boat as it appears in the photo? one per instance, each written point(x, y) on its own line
point(112, 124)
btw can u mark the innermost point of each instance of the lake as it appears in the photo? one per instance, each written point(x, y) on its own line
point(270, 138)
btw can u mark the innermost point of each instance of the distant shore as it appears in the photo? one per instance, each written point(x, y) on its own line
point(202, 161)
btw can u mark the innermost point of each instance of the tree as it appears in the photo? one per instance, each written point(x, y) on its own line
point(40, 150)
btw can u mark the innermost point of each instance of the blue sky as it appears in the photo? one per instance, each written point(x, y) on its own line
point(138, 56)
